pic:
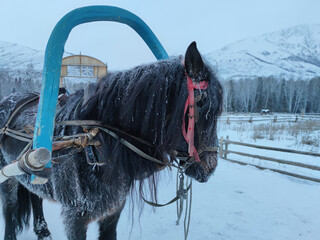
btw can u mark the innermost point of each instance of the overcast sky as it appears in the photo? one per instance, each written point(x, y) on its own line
point(176, 23)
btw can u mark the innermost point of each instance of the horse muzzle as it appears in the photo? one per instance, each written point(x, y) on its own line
point(201, 171)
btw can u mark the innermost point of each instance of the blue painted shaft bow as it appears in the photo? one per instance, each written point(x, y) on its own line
point(53, 58)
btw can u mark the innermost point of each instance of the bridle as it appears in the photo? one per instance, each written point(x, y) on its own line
point(190, 104)
point(193, 154)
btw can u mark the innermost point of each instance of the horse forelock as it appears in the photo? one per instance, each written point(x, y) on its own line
point(210, 109)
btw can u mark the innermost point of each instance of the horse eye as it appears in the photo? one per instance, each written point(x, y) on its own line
point(200, 98)
point(201, 102)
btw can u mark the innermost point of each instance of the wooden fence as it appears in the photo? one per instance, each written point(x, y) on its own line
point(224, 151)
point(274, 118)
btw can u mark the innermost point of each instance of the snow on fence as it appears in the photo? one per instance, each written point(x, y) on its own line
point(224, 151)
point(274, 118)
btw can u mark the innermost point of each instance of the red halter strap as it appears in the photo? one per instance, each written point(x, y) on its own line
point(189, 135)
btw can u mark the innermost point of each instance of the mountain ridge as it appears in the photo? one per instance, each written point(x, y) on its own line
point(290, 53)
point(17, 57)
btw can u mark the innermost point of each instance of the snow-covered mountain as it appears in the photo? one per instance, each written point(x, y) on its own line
point(16, 57)
point(289, 53)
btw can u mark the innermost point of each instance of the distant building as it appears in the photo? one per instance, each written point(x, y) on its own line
point(81, 69)
point(265, 112)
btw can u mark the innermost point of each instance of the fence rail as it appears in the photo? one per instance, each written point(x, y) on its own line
point(224, 151)
point(273, 118)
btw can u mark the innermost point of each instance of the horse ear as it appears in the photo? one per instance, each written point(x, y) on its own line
point(193, 61)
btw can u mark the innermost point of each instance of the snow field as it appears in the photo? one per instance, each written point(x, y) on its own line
point(238, 202)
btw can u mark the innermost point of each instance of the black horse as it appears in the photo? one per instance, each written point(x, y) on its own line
point(146, 102)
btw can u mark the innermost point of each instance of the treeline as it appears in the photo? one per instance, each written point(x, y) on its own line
point(22, 80)
point(28, 80)
point(290, 96)
point(244, 95)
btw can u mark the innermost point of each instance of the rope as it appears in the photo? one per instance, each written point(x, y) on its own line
point(188, 212)
point(184, 192)
point(179, 186)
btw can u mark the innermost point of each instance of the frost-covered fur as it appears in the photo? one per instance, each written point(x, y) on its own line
point(146, 102)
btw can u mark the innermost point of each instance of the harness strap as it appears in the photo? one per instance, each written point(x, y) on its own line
point(21, 106)
point(98, 123)
point(6, 126)
point(190, 105)
point(129, 145)
point(23, 136)
point(168, 203)
point(132, 147)
point(58, 145)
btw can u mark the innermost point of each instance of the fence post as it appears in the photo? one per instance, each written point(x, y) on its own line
point(226, 148)
point(221, 148)
point(228, 120)
point(250, 120)
point(296, 118)
point(271, 137)
point(275, 119)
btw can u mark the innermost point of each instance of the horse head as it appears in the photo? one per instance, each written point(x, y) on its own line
point(148, 102)
point(207, 107)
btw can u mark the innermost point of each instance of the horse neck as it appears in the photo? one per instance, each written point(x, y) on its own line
point(139, 101)
point(145, 102)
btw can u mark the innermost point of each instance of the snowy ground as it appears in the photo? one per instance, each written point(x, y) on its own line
point(238, 202)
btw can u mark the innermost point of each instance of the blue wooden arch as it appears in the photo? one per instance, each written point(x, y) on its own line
point(53, 57)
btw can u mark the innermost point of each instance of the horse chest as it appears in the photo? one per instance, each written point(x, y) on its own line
point(88, 193)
